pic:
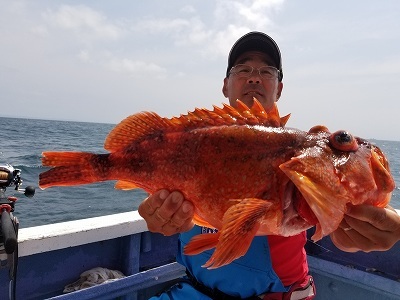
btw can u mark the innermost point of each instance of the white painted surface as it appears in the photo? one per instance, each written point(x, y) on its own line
point(56, 236)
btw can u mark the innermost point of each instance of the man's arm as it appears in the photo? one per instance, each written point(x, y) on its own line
point(167, 213)
point(367, 228)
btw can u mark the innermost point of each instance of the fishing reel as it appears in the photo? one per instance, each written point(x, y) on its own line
point(10, 177)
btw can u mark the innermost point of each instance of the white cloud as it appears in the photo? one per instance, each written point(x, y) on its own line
point(255, 14)
point(160, 25)
point(188, 9)
point(84, 56)
point(117, 64)
point(231, 20)
point(84, 21)
point(15, 7)
point(135, 67)
point(196, 34)
point(39, 30)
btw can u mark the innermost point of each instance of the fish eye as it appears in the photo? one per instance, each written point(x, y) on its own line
point(343, 141)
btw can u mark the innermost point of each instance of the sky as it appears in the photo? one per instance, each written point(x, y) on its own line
point(101, 61)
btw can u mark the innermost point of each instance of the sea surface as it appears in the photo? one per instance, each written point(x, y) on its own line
point(23, 141)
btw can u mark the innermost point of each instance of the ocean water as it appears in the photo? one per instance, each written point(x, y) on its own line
point(23, 141)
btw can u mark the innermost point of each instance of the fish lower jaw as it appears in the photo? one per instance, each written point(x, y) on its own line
point(289, 221)
point(290, 225)
point(297, 215)
point(293, 197)
point(293, 223)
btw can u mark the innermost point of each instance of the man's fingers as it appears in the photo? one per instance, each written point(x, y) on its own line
point(149, 205)
point(381, 218)
point(369, 236)
point(167, 213)
point(180, 221)
point(343, 241)
point(355, 234)
point(350, 237)
point(169, 207)
point(171, 228)
point(184, 213)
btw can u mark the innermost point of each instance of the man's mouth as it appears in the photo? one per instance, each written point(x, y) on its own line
point(251, 93)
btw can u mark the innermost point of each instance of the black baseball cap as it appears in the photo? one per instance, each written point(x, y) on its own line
point(256, 41)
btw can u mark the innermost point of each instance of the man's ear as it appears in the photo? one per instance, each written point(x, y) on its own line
point(225, 87)
point(280, 88)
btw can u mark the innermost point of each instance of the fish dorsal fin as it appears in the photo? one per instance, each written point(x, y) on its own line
point(145, 124)
point(133, 128)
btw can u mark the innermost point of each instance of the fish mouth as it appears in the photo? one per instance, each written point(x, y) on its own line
point(294, 197)
point(315, 203)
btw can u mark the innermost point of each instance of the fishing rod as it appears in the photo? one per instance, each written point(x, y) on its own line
point(9, 176)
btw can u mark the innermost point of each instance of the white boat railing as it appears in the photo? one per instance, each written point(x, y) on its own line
point(44, 238)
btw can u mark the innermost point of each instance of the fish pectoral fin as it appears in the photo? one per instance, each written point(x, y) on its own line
point(125, 185)
point(200, 221)
point(240, 224)
point(201, 242)
point(383, 179)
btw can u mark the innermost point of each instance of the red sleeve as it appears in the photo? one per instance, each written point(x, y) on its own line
point(288, 257)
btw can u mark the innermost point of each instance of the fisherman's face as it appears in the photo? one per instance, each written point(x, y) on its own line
point(267, 91)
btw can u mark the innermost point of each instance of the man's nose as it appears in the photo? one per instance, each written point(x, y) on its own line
point(254, 77)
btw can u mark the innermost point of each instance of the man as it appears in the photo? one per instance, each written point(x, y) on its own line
point(274, 267)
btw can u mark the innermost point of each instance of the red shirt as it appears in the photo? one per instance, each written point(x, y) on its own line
point(288, 256)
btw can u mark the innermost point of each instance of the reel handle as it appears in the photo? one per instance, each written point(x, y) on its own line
point(29, 191)
point(8, 231)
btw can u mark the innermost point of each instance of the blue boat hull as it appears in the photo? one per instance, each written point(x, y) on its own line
point(50, 259)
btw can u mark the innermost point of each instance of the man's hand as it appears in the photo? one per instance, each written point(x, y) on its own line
point(367, 228)
point(167, 213)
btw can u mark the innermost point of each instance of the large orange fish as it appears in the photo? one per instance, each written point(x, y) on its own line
point(245, 173)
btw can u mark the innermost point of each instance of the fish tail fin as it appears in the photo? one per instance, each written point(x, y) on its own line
point(73, 168)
